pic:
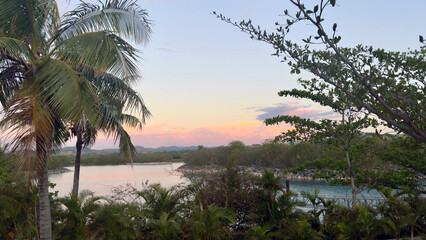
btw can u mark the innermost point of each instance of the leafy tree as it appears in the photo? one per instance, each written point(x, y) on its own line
point(41, 85)
point(341, 133)
point(388, 84)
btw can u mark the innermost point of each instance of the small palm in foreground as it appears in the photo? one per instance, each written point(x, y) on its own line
point(259, 233)
point(164, 228)
point(113, 221)
point(159, 200)
point(360, 223)
point(76, 212)
point(209, 224)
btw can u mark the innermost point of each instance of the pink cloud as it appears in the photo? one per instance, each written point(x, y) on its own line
point(294, 109)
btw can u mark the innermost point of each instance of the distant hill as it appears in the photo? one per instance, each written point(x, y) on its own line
point(139, 149)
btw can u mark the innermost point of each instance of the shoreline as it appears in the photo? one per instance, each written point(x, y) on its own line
point(151, 163)
point(65, 170)
point(305, 175)
point(212, 169)
point(58, 170)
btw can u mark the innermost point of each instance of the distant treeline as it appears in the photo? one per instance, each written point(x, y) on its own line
point(269, 154)
point(91, 159)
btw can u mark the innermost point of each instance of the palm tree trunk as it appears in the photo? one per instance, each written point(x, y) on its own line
point(79, 146)
point(45, 223)
point(351, 178)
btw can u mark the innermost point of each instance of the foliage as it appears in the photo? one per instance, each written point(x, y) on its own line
point(388, 84)
point(17, 202)
point(43, 86)
point(269, 154)
point(75, 213)
point(159, 200)
point(257, 208)
point(210, 223)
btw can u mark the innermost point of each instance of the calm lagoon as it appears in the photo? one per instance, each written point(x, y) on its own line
point(101, 179)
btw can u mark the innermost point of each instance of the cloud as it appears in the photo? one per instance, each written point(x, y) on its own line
point(292, 108)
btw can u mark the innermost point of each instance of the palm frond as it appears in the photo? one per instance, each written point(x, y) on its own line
point(109, 87)
point(65, 91)
point(10, 80)
point(29, 121)
point(130, 121)
point(100, 51)
point(15, 50)
point(26, 20)
point(124, 17)
point(111, 125)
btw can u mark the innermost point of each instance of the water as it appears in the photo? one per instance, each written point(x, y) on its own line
point(326, 189)
point(101, 180)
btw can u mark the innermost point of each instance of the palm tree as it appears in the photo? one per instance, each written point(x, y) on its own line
point(160, 200)
point(115, 96)
point(164, 228)
point(41, 87)
point(74, 213)
point(270, 185)
point(211, 223)
point(113, 221)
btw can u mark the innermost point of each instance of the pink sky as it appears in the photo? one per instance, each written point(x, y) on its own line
point(207, 83)
point(253, 132)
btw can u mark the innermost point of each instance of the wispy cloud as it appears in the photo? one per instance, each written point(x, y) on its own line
point(292, 108)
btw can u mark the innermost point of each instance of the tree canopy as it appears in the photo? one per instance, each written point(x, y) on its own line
point(388, 84)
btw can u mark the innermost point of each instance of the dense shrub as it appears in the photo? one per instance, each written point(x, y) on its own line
point(269, 154)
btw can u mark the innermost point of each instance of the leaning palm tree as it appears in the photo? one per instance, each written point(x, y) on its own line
point(41, 87)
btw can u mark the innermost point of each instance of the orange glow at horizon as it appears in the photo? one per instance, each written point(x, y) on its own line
point(249, 132)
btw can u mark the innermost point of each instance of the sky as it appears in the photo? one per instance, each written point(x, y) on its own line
point(207, 83)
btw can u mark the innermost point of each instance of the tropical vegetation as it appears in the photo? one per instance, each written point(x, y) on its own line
point(71, 76)
point(54, 68)
point(232, 204)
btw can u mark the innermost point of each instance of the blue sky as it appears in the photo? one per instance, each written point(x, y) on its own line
point(208, 83)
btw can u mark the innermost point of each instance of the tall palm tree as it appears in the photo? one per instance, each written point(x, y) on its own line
point(116, 97)
point(41, 87)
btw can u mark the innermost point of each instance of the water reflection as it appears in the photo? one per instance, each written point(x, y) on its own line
point(101, 179)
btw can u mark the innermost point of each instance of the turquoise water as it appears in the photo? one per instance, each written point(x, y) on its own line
point(101, 180)
point(327, 189)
